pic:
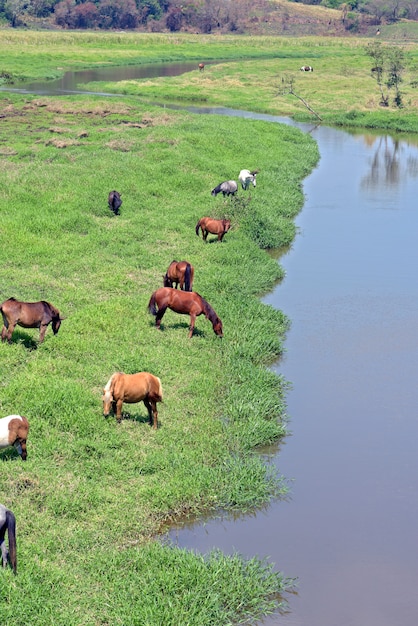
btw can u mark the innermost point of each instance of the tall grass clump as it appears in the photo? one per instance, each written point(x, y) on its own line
point(93, 495)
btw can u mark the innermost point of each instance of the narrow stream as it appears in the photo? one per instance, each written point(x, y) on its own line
point(347, 531)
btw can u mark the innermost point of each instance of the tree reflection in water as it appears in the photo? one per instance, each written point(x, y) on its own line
point(390, 166)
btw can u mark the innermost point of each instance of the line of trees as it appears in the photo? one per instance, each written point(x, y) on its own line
point(387, 11)
point(85, 14)
point(200, 15)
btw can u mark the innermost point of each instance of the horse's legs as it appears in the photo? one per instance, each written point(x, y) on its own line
point(4, 552)
point(42, 332)
point(22, 448)
point(119, 410)
point(152, 412)
point(4, 332)
point(8, 334)
point(159, 316)
point(192, 323)
point(205, 234)
point(2, 542)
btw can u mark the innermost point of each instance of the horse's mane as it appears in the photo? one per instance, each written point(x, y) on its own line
point(111, 380)
point(208, 310)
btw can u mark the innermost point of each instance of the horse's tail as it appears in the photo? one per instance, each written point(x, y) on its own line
point(11, 529)
point(152, 306)
point(160, 389)
point(187, 277)
point(197, 227)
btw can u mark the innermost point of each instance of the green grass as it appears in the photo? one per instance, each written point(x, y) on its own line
point(248, 75)
point(94, 495)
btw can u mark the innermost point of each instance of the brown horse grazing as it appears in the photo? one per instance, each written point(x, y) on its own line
point(179, 273)
point(210, 225)
point(14, 432)
point(132, 388)
point(201, 67)
point(186, 302)
point(29, 315)
point(8, 522)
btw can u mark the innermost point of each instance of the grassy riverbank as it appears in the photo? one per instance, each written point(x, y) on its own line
point(250, 73)
point(94, 494)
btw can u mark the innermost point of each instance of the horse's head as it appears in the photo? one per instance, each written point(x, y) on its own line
point(167, 281)
point(226, 224)
point(217, 328)
point(107, 400)
point(56, 319)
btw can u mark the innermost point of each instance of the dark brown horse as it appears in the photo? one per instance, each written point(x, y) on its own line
point(14, 432)
point(185, 302)
point(29, 315)
point(132, 388)
point(215, 227)
point(179, 273)
point(8, 522)
point(114, 201)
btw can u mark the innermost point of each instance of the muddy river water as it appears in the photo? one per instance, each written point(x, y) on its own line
point(348, 530)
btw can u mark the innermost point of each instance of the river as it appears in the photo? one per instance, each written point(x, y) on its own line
point(347, 531)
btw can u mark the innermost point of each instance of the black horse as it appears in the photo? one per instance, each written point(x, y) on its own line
point(115, 202)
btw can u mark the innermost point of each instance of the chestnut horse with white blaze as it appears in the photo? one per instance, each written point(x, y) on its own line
point(131, 388)
point(29, 315)
point(179, 273)
point(184, 302)
point(213, 226)
point(8, 522)
point(14, 432)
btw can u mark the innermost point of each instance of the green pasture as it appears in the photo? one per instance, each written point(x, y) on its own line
point(249, 73)
point(93, 496)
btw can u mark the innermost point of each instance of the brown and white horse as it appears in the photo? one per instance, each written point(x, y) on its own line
point(14, 432)
point(132, 388)
point(306, 68)
point(8, 522)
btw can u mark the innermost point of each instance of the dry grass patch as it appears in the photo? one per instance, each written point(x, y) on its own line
point(61, 143)
point(120, 145)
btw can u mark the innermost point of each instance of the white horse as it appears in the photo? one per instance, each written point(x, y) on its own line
point(13, 432)
point(246, 178)
point(8, 522)
point(306, 68)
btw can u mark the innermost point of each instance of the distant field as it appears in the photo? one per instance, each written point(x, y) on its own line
point(249, 73)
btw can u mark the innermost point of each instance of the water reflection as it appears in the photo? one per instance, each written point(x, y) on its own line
point(72, 82)
point(387, 167)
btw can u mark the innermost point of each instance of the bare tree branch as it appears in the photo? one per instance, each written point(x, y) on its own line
point(288, 88)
